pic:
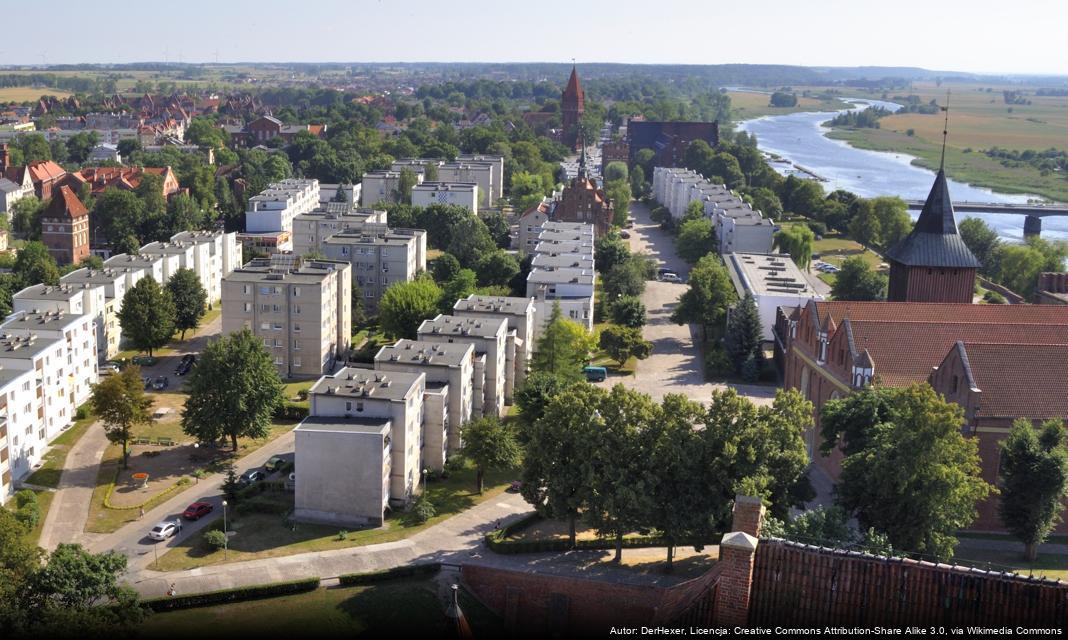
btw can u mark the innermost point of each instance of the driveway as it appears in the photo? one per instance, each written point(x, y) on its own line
point(675, 365)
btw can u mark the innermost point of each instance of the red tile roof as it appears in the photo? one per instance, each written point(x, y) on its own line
point(41, 170)
point(64, 205)
point(1020, 380)
point(942, 312)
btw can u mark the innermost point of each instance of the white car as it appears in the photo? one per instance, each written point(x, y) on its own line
point(165, 530)
point(670, 277)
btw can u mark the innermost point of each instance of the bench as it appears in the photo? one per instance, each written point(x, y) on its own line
point(165, 442)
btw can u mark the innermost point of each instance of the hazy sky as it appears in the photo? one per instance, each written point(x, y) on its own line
point(1023, 36)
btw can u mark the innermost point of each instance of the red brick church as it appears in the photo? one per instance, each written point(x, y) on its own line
point(572, 106)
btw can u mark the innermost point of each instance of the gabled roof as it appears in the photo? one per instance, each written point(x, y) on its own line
point(65, 205)
point(1018, 380)
point(574, 89)
point(45, 170)
point(934, 241)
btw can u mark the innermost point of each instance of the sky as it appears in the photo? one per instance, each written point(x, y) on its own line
point(1022, 36)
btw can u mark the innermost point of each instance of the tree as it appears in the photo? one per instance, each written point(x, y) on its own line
point(629, 277)
point(118, 213)
point(233, 390)
point(894, 221)
point(183, 214)
point(916, 479)
point(121, 404)
point(857, 281)
point(696, 239)
point(796, 240)
point(865, 227)
point(615, 170)
point(470, 240)
point(496, 268)
point(405, 305)
point(1034, 481)
point(535, 393)
point(709, 295)
point(563, 348)
point(621, 496)
point(444, 267)
point(405, 183)
point(462, 285)
point(147, 315)
point(982, 241)
point(744, 334)
point(34, 265)
point(490, 444)
point(628, 311)
point(620, 343)
point(609, 251)
point(26, 217)
point(637, 181)
point(765, 201)
point(190, 299)
point(81, 144)
point(557, 474)
point(619, 193)
point(499, 228)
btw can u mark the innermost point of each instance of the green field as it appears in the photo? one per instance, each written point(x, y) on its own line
point(29, 94)
point(746, 105)
point(397, 608)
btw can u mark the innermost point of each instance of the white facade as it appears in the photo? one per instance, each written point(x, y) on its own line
point(275, 207)
point(12, 192)
point(489, 336)
point(773, 280)
point(382, 186)
point(477, 173)
point(460, 194)
point(496, 163)
point(555, 280)
point(215, 255)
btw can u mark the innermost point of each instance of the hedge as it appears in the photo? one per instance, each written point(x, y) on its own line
point(224, 596)
point(182, 482)
point(409, 571)
point(289, 410)
point(498, 541)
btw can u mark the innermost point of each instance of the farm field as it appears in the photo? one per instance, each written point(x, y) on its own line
point(746, 105)
point(29, 94)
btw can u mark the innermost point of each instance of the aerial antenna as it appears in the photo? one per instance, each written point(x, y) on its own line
point(945, 134)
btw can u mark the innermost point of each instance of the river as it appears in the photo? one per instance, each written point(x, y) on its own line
point(799, 138)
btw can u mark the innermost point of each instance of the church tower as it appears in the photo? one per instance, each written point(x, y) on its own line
point(572, 106)
point(932, 264)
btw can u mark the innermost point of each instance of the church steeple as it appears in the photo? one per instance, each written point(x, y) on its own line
point(572, 106)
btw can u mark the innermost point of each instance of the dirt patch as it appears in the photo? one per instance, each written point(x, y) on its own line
point(165, 466)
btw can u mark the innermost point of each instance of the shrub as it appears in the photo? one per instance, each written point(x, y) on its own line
point(82, 413)
point(28, 511)
point(342, 535)
point(215, 538)
point(423, 510)
point(426, 568)
point(993, 297)
point(717, 364)
point(818, 228)
point(231, 595)
point(289, 410)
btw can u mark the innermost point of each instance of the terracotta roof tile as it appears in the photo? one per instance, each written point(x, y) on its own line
point(1020, 380)
point(65, 204)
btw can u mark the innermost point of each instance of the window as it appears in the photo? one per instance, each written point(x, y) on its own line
point(277, 326)
point(277, 343)
point(296, 345)
point(956, 383)
point(296, 328)
point(264, 326)
point(248, 307)
point(265, 291)
point(296, 292)
point(296, 309)
point(359, 405)
point(296, 362)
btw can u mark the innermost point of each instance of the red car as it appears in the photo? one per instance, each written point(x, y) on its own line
point(197, 510)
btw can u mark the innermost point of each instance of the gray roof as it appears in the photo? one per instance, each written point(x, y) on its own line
point(368, 426)
point(12, 346)
point(64, 291)
point(295, 270)
point(132, 261)
point(351, 382)
point(165, 248)
point(9, 186)
point(463, 327)
point(40, 320)
point(107, 275)
point(494, 304)
point(425, 353)
point(934, 241)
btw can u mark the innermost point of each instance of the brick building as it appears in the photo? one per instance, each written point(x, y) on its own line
point(65, 227)
point(1052, 288)
point(932, 263)
point(668, 139)
point(583, 201)
point(128, 178)
point(45, 175)
point(572, 106)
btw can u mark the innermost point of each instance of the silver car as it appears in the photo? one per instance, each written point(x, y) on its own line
point(166, 529)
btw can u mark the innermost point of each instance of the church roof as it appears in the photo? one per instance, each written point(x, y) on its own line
point(574, 89)
point(934, 241)
point(65, 205)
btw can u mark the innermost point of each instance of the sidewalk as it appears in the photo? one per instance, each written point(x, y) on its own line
point(66, 518)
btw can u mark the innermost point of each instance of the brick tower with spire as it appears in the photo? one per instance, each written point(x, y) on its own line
point(572, 106)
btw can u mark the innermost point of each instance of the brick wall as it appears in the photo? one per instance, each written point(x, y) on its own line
point(797, 585)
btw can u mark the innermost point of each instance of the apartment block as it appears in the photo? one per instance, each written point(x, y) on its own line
point(519, 314)
point(378, 260)
point(382, 186)
point(301, 309)
point(215, 255)
point(477, 173)
point(274, 208)
point(489, 337)
point(496, 163)
point(115, 283)
point(151, 266)
point(86, 298)
point(174, 255)
point(312, 228)
point(21, 446)
point(449, 371)
point(461, 194)
point(359, 452)
point(572, 289)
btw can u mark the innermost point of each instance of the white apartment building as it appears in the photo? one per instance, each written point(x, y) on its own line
point(774, 280)
point(477, 173)
point(301, 309)
point(115, 283)
point(86, 298)
point(360, 450)
point(564, 274)
point(456, 193)
point(382, 186)
point(489, 337)
point(449, 368)
point(215, 255)
point(21, 443)
point(273, 209)
point(174, 255)
point(312, 228)
point(152, 266)
point(496, 163)
point(519, 346)
point(378, 260)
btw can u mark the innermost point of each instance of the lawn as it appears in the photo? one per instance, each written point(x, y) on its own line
point(1049, 565)
point(267, 535)
point(746, 105)
point(407, 607)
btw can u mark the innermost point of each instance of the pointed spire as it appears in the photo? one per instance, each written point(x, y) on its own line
point(934, 240)
point(945, 134)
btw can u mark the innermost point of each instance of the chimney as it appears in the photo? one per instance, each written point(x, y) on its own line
point(737, 553)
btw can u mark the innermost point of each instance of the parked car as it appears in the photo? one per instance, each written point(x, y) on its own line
point(670, 277)
point(160, 383)
point(514, 487)
point(662, 270)
point(197, 510)
point(165, 530)
point(145, 361)
point(109, 368)
point(188, 360)
point(251, 477)
point(595, 374)
point(274, 464)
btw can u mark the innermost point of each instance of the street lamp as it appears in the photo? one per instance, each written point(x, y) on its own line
point(424, 479)
point(226, 536)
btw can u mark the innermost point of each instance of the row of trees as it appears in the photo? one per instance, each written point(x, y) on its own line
point(151, 313)
point(1016, 266)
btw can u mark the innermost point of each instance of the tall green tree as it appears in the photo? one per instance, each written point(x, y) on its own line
point(444, 267)
point(797, 241)
point(122, 405)
point(894, 221)
point(34, 265)
point(622, 343)
point(233, 390)
point(982, 241)
point(856, 280)
point(470, 241)
point(147, 315)
point(557, 469)
point(629, 277)
point(496, 268)
point(1034, 481)
point(535, 393)
point(609, 251)
point(563, 348)
point(696, 239)
point(628, 311)
point(26, 217)
point(865, 227)
point(405, 305)
point(490, 444)
point(117, 215)
point(744, 334)
point(463, 284)
point(917, 477)
point(405, 182)
point(190, 299)
point(709, 295)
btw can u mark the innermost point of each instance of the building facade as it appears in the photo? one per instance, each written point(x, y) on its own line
point(490, 339)
point(460, 194)
point(378, 260)
point(65, 227)
point(572, 107)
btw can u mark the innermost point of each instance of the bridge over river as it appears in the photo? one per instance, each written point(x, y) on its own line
point(1033, 212)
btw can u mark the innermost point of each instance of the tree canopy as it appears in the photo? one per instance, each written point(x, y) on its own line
point(190, 299)
point(147, 315)
point(1033, 481)
point(856, 280)
point(121, 404)
point(405, 305)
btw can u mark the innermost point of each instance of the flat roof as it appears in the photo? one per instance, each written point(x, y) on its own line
point(563, 275)
point(464, 327)
point(133, 261)
point(767, 274)
point(274, 269)
point(351, 382)
point(166, 248)
point(573, 260)
point(365, 426)
point(14, 346)
point(510, 305)
point(107, 275)
point(445, 186)
point(353, 236)
point(64, 291)
point(415, 352)
point(39, 320)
